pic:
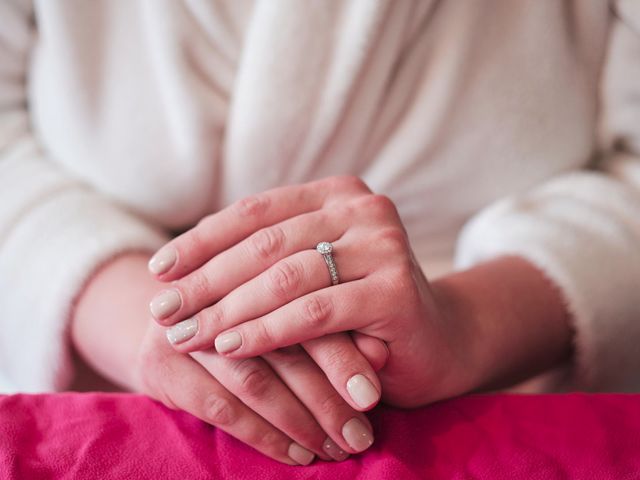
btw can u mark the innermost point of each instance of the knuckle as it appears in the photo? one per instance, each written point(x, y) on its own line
point(252, 206)
point(316, 311)
point(218, 410)
point(392, 239)
point(253, 380)
point(263, 337)
point(266, 243)
point(346, 210)
point(380, 206)
point(283, 279)
point(196, 286)
point(267, 439)
point(335, 360)
point(212, 318)
point(330, 404)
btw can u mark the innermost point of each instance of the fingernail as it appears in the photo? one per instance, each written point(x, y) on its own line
point(362, 391)
point(357, 435)
point(163, 260)
point(300, 454)
point(165, 303)
point(183, 331)
point(228, 342)
point(332, 449)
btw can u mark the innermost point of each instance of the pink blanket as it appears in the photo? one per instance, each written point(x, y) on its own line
point(516, 437)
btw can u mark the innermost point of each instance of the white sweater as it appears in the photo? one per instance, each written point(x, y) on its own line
point(497, 127)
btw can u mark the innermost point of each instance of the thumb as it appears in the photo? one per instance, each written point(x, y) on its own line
point(373, 349)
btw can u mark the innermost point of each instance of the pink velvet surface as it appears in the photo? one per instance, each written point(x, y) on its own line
point(477, 437)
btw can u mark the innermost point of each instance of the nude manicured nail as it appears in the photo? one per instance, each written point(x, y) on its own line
point(165, 303)
point(357, 435)
point(163, 260)
point(300, 454)
point(182, 331)
point(228, 342)
point(332, 449)
point(362, 391)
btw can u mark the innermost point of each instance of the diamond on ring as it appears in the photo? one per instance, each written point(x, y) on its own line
point(325, 249)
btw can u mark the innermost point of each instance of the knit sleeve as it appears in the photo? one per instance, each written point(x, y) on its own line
point(583, 228)
point(54, 230)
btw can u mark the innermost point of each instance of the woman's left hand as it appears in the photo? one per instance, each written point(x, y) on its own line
point(264, 248)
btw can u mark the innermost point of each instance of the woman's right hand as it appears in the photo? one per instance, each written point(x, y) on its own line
point(281, 404)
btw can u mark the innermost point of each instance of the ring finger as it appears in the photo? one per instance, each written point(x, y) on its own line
point(292, 277)
point(235, 266)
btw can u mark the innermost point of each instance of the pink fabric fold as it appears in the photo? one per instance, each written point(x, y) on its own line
point(477, 437)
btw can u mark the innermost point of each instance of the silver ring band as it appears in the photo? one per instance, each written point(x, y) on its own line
point(325, 249)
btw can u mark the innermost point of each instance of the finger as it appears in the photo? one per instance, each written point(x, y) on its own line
point(349, 371)
point(254, 382)
point(349, 306)
point(220, 231)
point(350, 429)
point(185, 385)
point(242, 262)
point(346, 368)
point(290, 278)
point(373, 349)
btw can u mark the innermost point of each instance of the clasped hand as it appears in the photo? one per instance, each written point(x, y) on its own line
point(248, 281)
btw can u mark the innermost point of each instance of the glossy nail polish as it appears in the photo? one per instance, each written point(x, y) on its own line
point(362, 391)
point(163, 260)
point(300, 454)
point(165, 303)
point(332, 449)
point(228, 342)
point(182, 331)
point(357, 435)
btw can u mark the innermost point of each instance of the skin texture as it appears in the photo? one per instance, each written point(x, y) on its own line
point(488, 326)
point(243, 397)
point(251, 269)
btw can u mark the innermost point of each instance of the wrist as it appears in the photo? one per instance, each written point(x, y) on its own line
point(111, 317)
point(512, 319)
